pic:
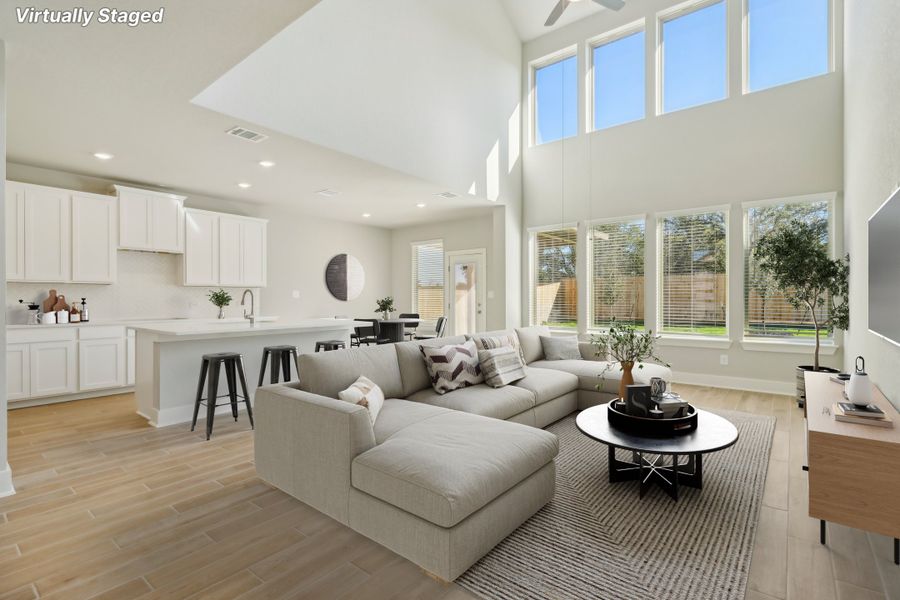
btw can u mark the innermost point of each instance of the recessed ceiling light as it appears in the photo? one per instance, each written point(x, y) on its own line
point(266, 164)
point(103, 155)
point(366, 215)
point(244, 185)
point(420, 205)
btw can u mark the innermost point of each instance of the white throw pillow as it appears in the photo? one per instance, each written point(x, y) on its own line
point(364, 392)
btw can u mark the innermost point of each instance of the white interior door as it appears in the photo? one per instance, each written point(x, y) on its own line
point(464, 291)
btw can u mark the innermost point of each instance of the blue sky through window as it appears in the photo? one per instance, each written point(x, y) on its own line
point(694, 58)
point(556, 101)
point(619, 81)
point(788, 41)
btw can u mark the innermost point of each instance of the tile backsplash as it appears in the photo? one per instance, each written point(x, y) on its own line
point(148, 286)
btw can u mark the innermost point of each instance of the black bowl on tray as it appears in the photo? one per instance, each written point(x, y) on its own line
point(650, 426)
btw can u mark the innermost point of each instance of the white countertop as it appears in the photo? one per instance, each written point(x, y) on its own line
point(228, 328)
point(136, 322)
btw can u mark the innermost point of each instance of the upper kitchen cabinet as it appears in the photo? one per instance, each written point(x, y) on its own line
point(46, 234)
point(201, 247)
point(223, 249)
point(15, 231)
point(94, 220)
point(150, 221)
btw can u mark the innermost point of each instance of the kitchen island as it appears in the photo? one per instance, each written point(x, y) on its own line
point(169, 354)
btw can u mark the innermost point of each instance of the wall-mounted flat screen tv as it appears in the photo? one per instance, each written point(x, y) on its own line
point(884, 270)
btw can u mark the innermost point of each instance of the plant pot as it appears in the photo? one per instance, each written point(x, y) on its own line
point(801, 381)
point(385, 315)
point(221, 312)
point(627, 378)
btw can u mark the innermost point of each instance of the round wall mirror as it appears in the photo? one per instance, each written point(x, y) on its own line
point(345, 277)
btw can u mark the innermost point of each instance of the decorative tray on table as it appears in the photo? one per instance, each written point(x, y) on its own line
point(682, 422)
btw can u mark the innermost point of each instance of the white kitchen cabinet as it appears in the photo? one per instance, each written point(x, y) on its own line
point(253, 253)
point(101, 363)
point(151, 221)
point(47, 234)
point(201, 247)
point(53, 368)
point(17, 372)
point(230, 251)
point(94, 229)
point(129, 358)
point(15, 231)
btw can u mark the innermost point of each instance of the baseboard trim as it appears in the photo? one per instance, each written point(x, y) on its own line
point(6, 482)
point(767, 386)
point(15, 404)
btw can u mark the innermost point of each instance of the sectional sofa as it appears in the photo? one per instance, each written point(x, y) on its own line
point(439, 479)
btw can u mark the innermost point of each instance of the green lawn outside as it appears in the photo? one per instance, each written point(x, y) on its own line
point(770, 331)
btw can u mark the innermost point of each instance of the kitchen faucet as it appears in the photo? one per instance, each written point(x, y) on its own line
point(252, 316)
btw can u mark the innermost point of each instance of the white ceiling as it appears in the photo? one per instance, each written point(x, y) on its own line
point(529, 16)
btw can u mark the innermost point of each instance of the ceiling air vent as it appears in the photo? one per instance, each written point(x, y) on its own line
point(246, 134)
point(447, 195)
point(327, 192)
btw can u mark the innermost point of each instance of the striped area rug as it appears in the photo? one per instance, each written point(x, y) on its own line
point(599, 540)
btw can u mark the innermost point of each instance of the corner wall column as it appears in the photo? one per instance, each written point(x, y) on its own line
point(6, 485)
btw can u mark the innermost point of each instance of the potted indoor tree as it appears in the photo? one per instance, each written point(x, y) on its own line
point(385, 307)
point(796, 257)
point(221, 299)
point(627, 346)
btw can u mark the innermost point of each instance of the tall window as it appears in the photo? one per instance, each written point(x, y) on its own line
point(428, 279)
point(556, 101)
point(693, 274)
point(619, 80)
point(787, 40)
point(554, 294)
point(617, 273)
point(766, 312)
point(694, 57)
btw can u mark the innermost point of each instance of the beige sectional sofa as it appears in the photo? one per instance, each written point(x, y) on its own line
point(439, 479)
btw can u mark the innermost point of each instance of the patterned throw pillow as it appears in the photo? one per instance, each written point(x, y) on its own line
point(501, 366)
point(364, 392)
point(452, 367)
point(500, 341)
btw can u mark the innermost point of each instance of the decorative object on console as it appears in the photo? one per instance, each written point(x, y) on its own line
point(364, 392)
point(220, 298)
point(560, 347)
point(385, 307)
point(627, 346)
point(638, 401)
point(48, 304)
point(453, 366)
point(501, 366)
point(796, 257)
point(859, 388)
point(345, 277)
point(657, 386)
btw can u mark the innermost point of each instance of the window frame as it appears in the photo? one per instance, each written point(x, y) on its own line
point(533, 67)
point(414, 272)
point(745, 50)
point(609, 37)
point(589, 252)
point(725, 209)
point(532, 269)
point(670, 14)
point(750, 342)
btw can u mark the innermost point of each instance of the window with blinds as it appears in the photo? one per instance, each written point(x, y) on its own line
point(428, 279)
point(617, 273)
point(554, 294)
point(766, 311)
point(693, 290)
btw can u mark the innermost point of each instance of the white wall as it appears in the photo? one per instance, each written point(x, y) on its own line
point(774, 143)
point(871, 165)
point(6, 484)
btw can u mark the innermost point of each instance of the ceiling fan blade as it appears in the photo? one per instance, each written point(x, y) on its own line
point(611, 4)
point(557, 12)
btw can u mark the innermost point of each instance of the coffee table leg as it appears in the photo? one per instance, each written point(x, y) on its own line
point(621, 470)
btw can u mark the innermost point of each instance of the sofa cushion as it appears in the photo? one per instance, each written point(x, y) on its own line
point(327, 373)
point(530, 340)
point(593, 373)
point(413, 372)
point(399, 414)
point(501, 366)
point(560, 347)
point(453, 366)
point(446, 467)
point(481, 399)
point(547, 384)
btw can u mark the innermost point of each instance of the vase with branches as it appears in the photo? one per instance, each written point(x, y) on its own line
point(385, 307)
point(221, 299)
point(628, 347)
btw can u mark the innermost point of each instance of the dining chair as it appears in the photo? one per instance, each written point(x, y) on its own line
point(439, 327)
point(409, 329)
point(368, 334)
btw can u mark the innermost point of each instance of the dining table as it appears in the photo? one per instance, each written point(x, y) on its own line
point(394, 329)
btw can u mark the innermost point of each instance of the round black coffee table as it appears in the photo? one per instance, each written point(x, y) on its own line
point(713, 433)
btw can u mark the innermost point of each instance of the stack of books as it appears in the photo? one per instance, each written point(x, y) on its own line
point(864, 415)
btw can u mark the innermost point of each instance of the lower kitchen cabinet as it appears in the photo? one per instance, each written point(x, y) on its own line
point(18, 374)
point(53, 367)
point(101, 364)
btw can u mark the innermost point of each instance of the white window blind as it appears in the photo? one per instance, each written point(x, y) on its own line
point(428, 279)
point(554, 297)
point(617, 273)
point(766, 311)
point(693, 280)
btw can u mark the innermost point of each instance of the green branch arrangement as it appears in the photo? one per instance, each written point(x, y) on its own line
point(219, 297)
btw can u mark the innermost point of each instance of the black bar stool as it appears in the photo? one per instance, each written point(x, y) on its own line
point(210, 368)
point(330, 345)
point(281, 355)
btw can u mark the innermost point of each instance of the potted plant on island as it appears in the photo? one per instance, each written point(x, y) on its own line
point(385, 307)
point(220, 298)
point(627, 346)
point(796, 257)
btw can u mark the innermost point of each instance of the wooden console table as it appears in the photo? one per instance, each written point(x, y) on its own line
point(854, 470)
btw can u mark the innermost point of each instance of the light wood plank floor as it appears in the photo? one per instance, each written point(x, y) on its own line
point(108, 507)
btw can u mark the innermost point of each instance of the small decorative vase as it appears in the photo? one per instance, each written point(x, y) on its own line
point(627, 378)
point(385, 315)
point(221, 312)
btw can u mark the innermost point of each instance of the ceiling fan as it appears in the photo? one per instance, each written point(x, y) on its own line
point(561, 6)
